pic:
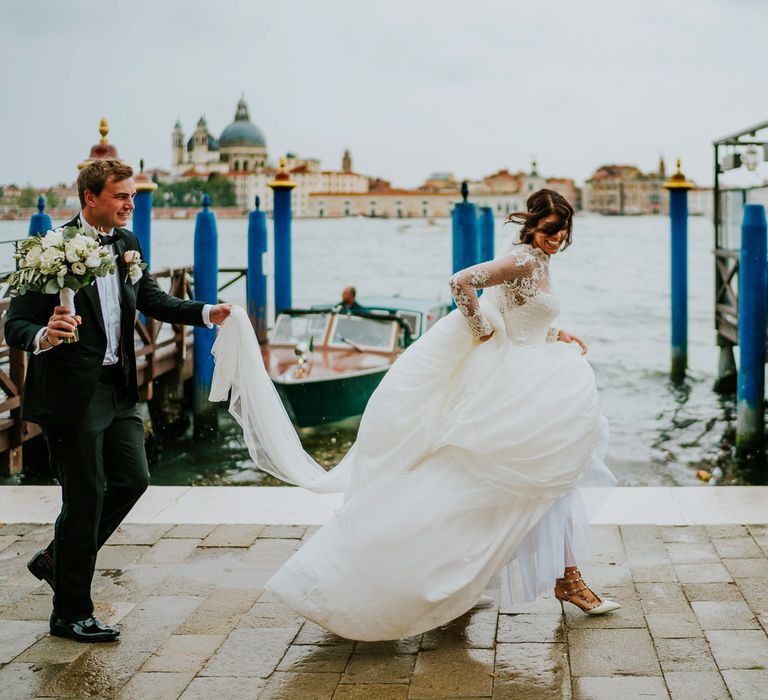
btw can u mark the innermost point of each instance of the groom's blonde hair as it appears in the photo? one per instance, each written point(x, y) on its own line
point(94, 176)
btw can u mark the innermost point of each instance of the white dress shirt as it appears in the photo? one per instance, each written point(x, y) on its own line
point(108, 288)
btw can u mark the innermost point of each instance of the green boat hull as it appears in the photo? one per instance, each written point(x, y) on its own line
point(319, 402)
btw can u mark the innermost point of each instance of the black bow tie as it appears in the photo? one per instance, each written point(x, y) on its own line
point(108, 239)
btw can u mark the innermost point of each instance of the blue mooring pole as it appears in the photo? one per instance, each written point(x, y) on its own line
point(257, 281)
point(753, 285)
point(678, 187)
point(282, 187)
point(206, 290)
point(465, 235)
point(39, 223)
point(142, 213)
point(486, 234)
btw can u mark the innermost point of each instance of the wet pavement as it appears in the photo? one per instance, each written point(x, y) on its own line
point(195, 624)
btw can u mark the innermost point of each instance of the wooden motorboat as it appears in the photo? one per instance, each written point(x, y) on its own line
point(325, 364)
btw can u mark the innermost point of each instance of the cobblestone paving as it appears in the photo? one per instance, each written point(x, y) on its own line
point(196, 625)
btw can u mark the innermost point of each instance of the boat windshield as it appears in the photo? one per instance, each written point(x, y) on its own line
point(412, 321)
point(296, 329)
point(366, 333)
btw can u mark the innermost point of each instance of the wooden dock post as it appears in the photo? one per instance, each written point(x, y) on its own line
point(465, 235)
point(206, 290)
point(282, 186)
point(753, 284)
point(142, 213)
point(486, 251)
point(256, 283)
point(40, 222)
point(678, 187)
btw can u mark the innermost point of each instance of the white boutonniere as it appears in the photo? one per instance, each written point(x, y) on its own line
point(136, 266)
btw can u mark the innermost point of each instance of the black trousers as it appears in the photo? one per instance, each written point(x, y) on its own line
point(101, 465)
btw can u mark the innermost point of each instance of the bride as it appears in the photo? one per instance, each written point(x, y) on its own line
point(468, 461)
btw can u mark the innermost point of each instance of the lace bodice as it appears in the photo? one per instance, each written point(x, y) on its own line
point(522, 293)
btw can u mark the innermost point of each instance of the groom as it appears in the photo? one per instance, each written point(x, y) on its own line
point(85, 397)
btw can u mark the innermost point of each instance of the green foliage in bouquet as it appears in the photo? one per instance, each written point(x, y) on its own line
point(64, 258)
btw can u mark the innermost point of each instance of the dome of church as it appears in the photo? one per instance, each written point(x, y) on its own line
point(202, 125)
point(213, 144)
point(242, 132)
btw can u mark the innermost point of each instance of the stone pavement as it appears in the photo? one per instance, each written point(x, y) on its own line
point(195, 624)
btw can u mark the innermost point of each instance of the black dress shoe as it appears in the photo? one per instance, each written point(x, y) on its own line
point(41, 567)
point(88, 630)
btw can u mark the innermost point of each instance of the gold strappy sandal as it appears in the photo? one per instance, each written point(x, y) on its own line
point(574, 577)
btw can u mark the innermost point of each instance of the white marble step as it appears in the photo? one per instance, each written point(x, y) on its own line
point(681, 505)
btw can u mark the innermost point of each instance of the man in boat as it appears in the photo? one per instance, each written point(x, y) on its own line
point(348, 305)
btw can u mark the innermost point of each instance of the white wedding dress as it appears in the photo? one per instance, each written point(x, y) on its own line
point(468, 461)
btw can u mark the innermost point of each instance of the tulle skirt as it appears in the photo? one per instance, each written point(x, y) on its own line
point(468, 464)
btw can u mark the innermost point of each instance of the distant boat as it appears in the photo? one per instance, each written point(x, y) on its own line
point(325, 365)
point(428, 226)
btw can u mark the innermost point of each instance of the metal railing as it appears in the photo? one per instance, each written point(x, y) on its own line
point(729, 211)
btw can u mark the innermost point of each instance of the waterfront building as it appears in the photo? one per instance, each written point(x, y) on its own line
point(310, 180)
point(385, 202)
point(625, 189)
point(200, 155)
point(566, 187)
point(701, 201)
point(240, 153)
point(11, 193)
point(441, 182)
point(67, 195)
point(503, 191)
point(507, 192)
point(241, 147)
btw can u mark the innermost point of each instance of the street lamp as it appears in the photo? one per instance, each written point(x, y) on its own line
point(752, 158)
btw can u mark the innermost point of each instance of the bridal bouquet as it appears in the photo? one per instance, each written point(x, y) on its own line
point(62, 261)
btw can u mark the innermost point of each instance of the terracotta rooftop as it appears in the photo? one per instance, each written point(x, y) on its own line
point(388, 193)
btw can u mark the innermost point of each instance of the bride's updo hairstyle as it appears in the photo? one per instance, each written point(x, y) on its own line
point(540, 205)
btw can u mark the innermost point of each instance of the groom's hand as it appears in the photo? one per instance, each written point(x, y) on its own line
point(219, 312)
point(61, 325)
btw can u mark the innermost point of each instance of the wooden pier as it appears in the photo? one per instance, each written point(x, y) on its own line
point(744, 148)
point(161, 349)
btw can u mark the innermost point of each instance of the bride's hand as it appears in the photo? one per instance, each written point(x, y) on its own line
point(483, 338)
point(566, 337)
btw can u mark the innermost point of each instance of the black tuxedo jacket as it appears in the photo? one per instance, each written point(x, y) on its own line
point(61, 381)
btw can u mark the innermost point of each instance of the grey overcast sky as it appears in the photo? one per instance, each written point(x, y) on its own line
point(410, 86)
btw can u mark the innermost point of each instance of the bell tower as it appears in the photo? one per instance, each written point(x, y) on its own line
point(177, 148)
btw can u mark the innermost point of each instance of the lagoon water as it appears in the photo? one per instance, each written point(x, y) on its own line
point(613, 285)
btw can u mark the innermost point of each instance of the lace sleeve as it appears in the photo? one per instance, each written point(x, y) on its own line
point(552, 334)
point(465, 283)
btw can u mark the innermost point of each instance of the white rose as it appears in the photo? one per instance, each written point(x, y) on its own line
point(71, 251)
point(50, 266)
point(82, 243)
point(32, 258)
point(50, 256)
point(87, 243)
point(52, 238)
point(79, 268)
point(93, 260)
point(135, 274)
